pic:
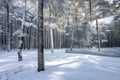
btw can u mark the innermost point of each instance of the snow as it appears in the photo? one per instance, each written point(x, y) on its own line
point(1, 12)
point(28, 24)
point(113, 52)
point(17, 32)
point(1, 31)
point(53, 25)
point(58, 66)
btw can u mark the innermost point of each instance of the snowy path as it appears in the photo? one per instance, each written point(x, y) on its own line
point(59, 66)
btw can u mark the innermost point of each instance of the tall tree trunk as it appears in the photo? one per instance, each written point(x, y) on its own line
point(90, 8)
point(40, 37)
point(60, 40)
point(11, 35)
point(21, 36)
point(52, 44)
point(98, 37)
point(76, 21)
point(21, 39)
point(36, 39)
point(44, 37)
point(29, 38)
point(51, 31)
point(90, 18)
point(8, 28)
point(67, 22)
point(72, 38)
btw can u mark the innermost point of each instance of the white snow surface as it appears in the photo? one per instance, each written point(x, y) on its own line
point(58, 66)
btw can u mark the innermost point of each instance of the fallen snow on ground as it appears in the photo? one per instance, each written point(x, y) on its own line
point(113, 52)
point(58, 66)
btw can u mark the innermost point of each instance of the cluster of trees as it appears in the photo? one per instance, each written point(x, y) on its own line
point(16, 21)
point(104, 32)
point(112, 33)
point(21, 24)
point(18, 18)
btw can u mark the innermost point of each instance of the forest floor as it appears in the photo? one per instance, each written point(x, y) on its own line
point(58, 66)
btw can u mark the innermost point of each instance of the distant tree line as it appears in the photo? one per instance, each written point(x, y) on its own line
point(85, 34)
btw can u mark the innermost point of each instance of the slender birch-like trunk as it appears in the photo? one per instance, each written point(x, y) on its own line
point(98, 37)
point(52, 44)
point(51, 32)
point(21, 36)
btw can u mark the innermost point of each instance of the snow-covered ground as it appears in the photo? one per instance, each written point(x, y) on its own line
point(113, 52)
point(58, 66)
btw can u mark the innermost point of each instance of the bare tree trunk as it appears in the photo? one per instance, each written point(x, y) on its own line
point(51, 32)
point(48, 39)
point(52, 44)
point(21, 39)
point(90, 8)
point(40, 37)
point(21, 36)
point(45, 37)
point(76, 21)
point(29, 37)
point(8, 28)
point(11, 34)
point(98, 37)
point(72, 38)
point(60, 40)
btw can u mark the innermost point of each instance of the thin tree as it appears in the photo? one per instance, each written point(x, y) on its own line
point(75, 21)
point(40, 37)
point(8, 26)
point(51, 30)
point(21, 36)
point(90, 6)
point(98, 37)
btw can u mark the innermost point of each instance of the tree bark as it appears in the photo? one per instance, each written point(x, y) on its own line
point(40, 37)
point(51, 30)
point(90, 8)
point(98, 38)
point(8, 28)
point(52, 44)
point(21, 39)
point(21, 36)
